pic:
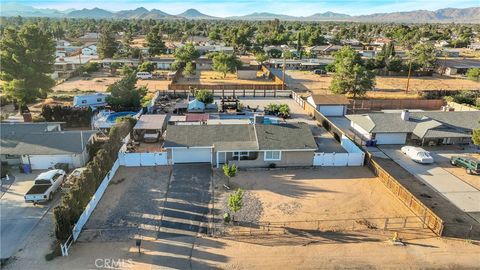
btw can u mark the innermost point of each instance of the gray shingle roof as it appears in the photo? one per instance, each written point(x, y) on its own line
point(242, 137)
point(31, 139)
point(232, 137)
point(392, 122)
point(285, 137)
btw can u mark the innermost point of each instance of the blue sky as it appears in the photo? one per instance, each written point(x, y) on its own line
point(242, 7)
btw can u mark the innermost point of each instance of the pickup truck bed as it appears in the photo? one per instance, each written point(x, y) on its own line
point(38, 189)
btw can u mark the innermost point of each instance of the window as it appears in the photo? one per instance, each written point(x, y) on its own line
point(99, 100)
point(241, 154)
point(84, 101)
point(273, 155)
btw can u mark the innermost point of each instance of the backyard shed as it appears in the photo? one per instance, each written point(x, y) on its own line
point(329, 105)
point(149, 127)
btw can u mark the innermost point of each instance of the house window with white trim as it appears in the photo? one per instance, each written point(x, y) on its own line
point(272, 156)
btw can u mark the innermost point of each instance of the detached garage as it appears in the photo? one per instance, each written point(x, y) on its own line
point(329, 105)
point(42, 145)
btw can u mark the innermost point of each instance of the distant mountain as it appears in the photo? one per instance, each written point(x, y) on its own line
point(447, 15)
point(263, 16)
point(194, 14)
point(94, 13)
point(327, 16)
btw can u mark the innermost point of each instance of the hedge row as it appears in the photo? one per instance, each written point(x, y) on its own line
point(73, 203)
point(74, 117)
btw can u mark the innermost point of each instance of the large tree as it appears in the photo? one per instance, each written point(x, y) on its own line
point(351, 76)
point(225, 63)
point(154, 41)
point(186, 53)
point(107, 44)
point(26, 59)
point(424, 55)
point(124, 92)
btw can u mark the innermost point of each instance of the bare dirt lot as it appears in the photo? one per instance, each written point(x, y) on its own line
point(99, 82)
point(386, 87)
point(214, 77)
point(328, 194)
point(460, 172)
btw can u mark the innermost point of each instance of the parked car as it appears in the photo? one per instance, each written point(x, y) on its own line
point(144, 75)
point(45, 186)
point(319, 72)
point(417, 154)
point(471, 165)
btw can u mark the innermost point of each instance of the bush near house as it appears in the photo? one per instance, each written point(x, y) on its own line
point(281, 110)
point(67, 213)
point(74, 117)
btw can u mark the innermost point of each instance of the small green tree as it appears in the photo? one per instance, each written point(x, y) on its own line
point(350, 74)
point(188, 70)
point(229, 171)
point(476, 136)
point(226, 63)
point(146, 67)
point(473, 74)
point(284, 111)
point(424, 55)
point(261, 57)
point(127, 70)
point(235, 201)
point(124, 93)
point(204, 96)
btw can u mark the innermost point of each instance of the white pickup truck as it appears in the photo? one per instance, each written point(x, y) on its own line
point(45, 186)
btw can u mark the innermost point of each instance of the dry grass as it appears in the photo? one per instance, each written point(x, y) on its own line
point(214, 77)
point(386, 87)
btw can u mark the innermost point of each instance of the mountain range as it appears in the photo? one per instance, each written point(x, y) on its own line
point(447, 15)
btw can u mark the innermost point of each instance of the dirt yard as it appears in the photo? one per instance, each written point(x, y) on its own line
point(460, 172)
point(214, 77)
point(332, 195)
point(386, 87)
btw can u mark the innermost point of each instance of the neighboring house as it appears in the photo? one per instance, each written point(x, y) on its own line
point(368, 53)
point(423, 128)
point(255, 145)
point(89, 37)
point(42, 145)
point(474, 46)
point(457, 66)
point(90, 50)
point(449, 52)
point(203, 63)
point(162, 63)
point(204, 49)
point(329, 105)
point(106, 62)
point(93, 101)
point(65, 66)
point(304, 64)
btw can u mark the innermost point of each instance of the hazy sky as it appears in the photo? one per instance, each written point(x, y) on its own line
point(242, 7)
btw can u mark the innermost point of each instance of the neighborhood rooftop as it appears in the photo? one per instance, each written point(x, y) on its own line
point(392, 122)
point(330, 100)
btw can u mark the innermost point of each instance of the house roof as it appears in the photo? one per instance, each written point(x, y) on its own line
point(24, 139)
point(285, 137)
point(232, 137)
point(242, 137)
point(196, 117)
point(151, 121)
point(419, 123)
point(330, 100)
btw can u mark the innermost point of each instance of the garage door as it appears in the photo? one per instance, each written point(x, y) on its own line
point(41, 162)
point(391, 138)
point(192, 155)
point(332, 110)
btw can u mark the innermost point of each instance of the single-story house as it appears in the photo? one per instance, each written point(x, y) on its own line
point(90, 50)
point(42, 145)
point(251, 145)
point(457, 66)
point(425, 128)
point(162, 63)
point(203, 63)
point(329, 105)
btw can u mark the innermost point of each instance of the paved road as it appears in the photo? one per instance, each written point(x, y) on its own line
point(461, 194)
point(17, 218)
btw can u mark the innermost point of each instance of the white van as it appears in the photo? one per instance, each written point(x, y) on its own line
point(417, 154)
point(144, 75)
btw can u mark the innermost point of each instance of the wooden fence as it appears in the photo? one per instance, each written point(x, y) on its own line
point(429, 218)
point(360, 105)
point(199, 86)
point(233, 92)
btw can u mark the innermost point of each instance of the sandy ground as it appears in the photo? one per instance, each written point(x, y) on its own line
point(460, 172)
point(214, 77)
point(387, 87)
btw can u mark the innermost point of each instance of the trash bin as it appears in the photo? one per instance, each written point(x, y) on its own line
point(27, 169)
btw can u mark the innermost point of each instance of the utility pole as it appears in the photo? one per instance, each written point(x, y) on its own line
point(283, 72)
point(409, 73)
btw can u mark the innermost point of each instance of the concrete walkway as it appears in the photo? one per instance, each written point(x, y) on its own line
point(461, 194)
